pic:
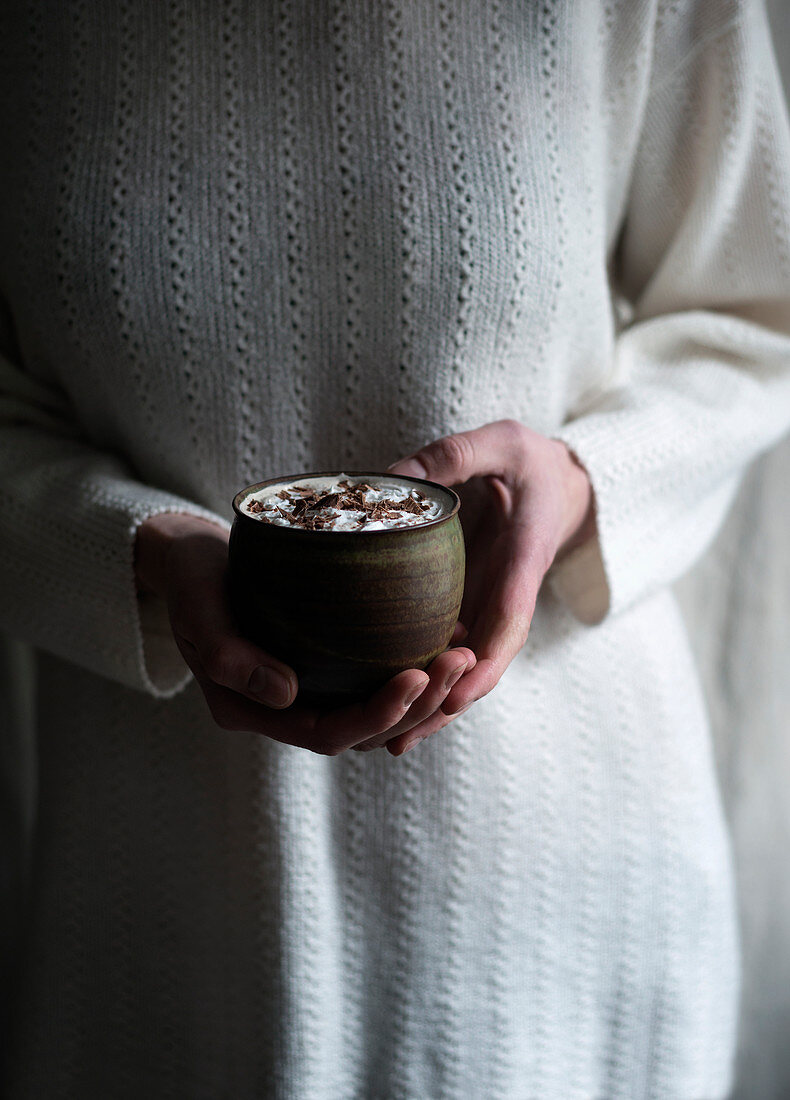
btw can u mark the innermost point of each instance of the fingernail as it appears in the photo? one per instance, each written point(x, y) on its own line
point(460, 710)
point(270, 687)
point(455, 676)
point(415, 695)
point(411, 744)
point(409, 467)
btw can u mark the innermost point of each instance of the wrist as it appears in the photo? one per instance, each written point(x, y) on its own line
point(154, 542)
point(580, 505)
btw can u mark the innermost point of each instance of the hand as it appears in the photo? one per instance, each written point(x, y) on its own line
point(184, 560)
point(525, 502)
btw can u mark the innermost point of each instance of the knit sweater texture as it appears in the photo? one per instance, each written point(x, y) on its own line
point(242, 240)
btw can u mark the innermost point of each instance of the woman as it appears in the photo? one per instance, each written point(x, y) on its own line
point(538, 250)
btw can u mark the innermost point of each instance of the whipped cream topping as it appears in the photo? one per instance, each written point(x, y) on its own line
point(343, 503)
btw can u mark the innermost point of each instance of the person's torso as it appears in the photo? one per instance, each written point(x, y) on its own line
point(253, 239)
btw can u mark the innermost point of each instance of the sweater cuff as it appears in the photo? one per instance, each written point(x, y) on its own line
point(650, 527)
point(599, 578)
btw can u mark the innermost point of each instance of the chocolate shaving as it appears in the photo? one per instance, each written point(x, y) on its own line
point(326, 501)
point(378, 511)
point(316, 510)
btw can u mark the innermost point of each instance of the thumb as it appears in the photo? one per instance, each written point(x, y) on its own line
point(206, 633)
point(453, 459)
point(448, 461)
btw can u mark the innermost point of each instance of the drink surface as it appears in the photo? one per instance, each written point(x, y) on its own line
point(344, 503)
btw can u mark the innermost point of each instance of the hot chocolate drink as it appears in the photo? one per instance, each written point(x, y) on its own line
point(349, 578)
point(344, 504)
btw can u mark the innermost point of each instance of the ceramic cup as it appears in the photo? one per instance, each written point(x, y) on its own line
point(347, 610)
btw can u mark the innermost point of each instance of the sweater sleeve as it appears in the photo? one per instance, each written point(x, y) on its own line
point(68, 523)
point(701, 377)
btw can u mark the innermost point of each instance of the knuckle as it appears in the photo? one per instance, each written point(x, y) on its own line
point(516, 436)
point(453, 451)
point(327, 747)
point(220, 662)
point(513, 427)
point(490, 681)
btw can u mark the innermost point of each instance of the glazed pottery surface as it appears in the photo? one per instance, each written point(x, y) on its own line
point(347, 610)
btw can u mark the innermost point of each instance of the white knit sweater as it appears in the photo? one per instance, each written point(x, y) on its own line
point(240, 240)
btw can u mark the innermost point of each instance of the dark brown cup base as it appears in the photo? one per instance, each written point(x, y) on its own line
point(318, 700)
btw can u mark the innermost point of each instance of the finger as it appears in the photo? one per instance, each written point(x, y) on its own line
point(326, 733)
point(516, 571)
point(206, 635)
point(397, 746)
point(444, 671)
point(233, 712)
point(499, 448)
point(344, 728)
point(234, 663)
point(459, 633)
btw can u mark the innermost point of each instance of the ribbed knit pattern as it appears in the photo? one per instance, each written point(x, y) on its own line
point(241, 240)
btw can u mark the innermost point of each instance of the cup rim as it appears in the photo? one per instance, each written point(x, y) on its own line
point(249, 489)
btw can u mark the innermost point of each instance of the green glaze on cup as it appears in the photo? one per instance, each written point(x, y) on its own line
point(347, 610)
